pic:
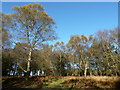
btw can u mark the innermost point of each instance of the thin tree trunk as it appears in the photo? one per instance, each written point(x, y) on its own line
point(85, 72)
point(52, 68)
point(80, 62)
point(13, 72)
point(60, 65)
point(28, 64)
point(90, 72)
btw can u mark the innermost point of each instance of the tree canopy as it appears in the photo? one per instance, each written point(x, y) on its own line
point(25, 52)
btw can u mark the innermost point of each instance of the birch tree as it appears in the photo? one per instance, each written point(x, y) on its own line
point(32, 25)
point(80, 46)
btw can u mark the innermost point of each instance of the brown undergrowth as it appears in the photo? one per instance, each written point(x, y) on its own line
point(69, 82)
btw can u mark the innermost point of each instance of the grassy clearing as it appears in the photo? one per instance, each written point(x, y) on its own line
point(67, 82)
point(56, 83)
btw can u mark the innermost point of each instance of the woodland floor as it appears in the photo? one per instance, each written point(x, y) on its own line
point(61, 82)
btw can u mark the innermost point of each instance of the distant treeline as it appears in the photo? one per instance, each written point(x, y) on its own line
point(93, 55)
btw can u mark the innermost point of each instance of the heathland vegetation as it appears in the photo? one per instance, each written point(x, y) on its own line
point(25, 53)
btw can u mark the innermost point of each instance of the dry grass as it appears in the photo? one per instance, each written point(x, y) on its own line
point(62, 82)
point(93, 82)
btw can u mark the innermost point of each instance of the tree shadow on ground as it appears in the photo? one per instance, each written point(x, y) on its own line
point(11, 82)
point(117, 84)
point(17, 82)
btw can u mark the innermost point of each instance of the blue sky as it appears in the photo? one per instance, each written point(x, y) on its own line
point(77, 17)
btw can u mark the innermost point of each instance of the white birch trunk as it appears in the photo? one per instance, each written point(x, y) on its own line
point(85, 72)
point(28, 64)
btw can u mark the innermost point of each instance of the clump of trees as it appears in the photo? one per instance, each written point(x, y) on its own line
point(25, 53)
